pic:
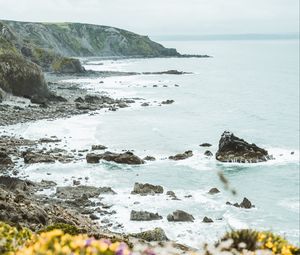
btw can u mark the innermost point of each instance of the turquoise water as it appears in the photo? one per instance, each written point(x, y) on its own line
point(249, 87)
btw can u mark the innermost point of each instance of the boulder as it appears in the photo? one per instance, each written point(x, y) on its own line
point(149, 158)
point(180, 216)
point(213, 191)
point(208, 154)
point(147, 189)
point(172, 194)
point(66, 65)
point(144, 216)
point(155, 235)
point(182, 156)
point(92, 158)
point(121, 158)
point(207, 220)
point(21, 77)
point(234, 149)
point(246, 204)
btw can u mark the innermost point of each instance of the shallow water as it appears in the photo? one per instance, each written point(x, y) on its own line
point(249, 87)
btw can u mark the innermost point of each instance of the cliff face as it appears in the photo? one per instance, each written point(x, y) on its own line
point(75, 39)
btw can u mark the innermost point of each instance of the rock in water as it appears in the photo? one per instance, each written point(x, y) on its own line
point(213, 191)
point(182, 156)
point(234, 149)
point(155, 235)
point(144, 216)
point(180, 216)
point(207, 220)
point(147, 189)
point(21, 77)
point(121, 158)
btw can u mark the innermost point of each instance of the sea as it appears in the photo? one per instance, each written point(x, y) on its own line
point(248, 87)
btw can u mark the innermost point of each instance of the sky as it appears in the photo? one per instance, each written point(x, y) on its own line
point(164, 17)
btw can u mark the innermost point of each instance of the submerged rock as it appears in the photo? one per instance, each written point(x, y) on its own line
point(121, 158)
point(168, 102)
point(180, 216)
point(182, 156)
point(147, 189)
point(205, 145)
point(144, 216)
point(172, 194)
point(234, 149)
point(155, 235)
point(149, 158)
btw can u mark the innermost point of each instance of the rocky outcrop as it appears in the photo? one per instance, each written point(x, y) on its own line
point(234, 149)
point(155, 235)
point(180, 216)
point(21, 77)
point(144, 216)
point(246, 204)
point(182, 156)
point(67, 66)
point(121, 158)
point(147, 189)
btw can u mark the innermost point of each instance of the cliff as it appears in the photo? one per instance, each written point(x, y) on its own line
point(83, 40)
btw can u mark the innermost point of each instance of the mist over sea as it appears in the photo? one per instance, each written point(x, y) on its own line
point(248, 87)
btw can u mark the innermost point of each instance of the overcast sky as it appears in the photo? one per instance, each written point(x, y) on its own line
point(164, 17)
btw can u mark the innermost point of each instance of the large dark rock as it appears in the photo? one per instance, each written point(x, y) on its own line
point(180, 216)
point(121, 158)
point(213, 191)
point(182, 156)
point(21, 77)
point(144, 216)
point(234, 149)
point(155, 235)
point(147, 189)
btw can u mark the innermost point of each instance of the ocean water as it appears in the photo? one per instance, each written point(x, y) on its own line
point(248, 87)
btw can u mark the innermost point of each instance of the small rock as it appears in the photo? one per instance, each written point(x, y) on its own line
point(147, 189)
point(208, 154)
point(213, 191)
point(205, 145)
point(144, 216)
point(207, 220)
point(149, 158)
point(182, 156)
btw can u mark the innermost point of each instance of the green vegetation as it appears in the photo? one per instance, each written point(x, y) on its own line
point(11, 238)
point(66, 228)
